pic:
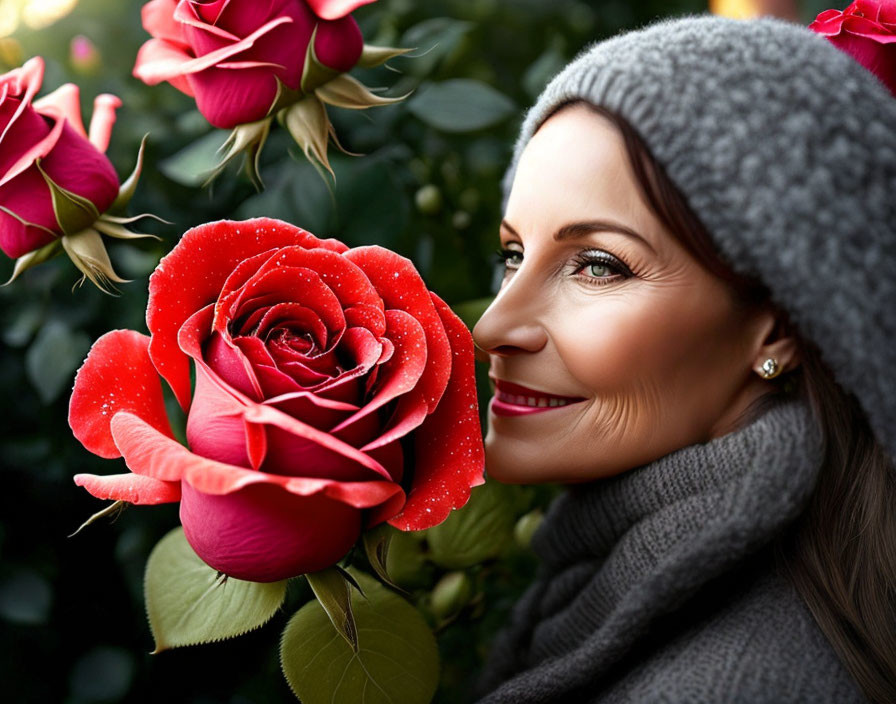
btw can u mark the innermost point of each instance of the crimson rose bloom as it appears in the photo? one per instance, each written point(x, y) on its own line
point(866, 30)
point(230, 54)
point(44, 142)
point(332, 392)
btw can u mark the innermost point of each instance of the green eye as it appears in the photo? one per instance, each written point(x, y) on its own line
point(599, 270)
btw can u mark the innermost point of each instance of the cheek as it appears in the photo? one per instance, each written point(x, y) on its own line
point(648, 342)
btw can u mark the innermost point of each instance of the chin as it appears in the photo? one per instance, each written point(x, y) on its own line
point(504, 467)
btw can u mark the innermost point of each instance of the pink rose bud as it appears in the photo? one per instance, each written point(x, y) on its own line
point(49, 130)
point(232, 54)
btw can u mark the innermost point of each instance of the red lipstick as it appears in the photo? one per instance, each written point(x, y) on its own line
point(517, 400)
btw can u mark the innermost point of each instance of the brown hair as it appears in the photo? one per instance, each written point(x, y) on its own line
point(840, 555)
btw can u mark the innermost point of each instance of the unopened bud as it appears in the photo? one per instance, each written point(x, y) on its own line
point(451, 594)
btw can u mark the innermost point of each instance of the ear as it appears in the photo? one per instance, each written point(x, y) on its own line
point(775, 339)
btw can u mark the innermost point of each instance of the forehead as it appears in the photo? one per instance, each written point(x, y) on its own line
point(576, 167)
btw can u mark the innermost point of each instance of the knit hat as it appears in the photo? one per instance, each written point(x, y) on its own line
point(785, 148)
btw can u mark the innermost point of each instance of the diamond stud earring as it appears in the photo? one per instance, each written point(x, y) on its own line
point(770, 368)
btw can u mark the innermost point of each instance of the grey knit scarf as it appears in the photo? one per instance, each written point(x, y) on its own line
point(658, 584)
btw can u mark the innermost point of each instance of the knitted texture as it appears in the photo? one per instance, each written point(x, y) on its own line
point(785, 148)
point(658, 584)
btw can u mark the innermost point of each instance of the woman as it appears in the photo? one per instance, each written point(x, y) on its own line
point(695, 332)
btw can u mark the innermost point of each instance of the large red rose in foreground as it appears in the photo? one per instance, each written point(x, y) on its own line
point(332, 392)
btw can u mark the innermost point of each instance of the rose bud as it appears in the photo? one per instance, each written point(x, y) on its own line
point(333, 392)
point(232, 55)
point(867, 31)
point(55, 180)
point(247, 62)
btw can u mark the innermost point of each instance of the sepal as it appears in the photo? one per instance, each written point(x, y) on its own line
point(88, 253)
point(126, 191)
point(347, 92)
point(314, 73)
point(310, 127)
point(74, 213)
point(333, 591)
point(372, 56)
point(247, 139)
point(38, 256)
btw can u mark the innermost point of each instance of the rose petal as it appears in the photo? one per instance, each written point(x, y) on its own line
point(28, 196)
point(103, 119)
point(152, 455)
point(401, 287)
point(402, 373)
point(292, 284)
point(215, 425)
point(22, 83)
point(158, 60)
point(65, 101)
point(191, 276)
point(158, 20)
point(78, 166)
point(228, 96)
point(133, 488)
point(27, 130)
point(338, 44)
point(334, 9)
point(229, 363)
point(265, 534)
point(116, 376)
point(287, 450)
point(450, 458)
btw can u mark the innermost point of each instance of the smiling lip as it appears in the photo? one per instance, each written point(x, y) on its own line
point(516, 400)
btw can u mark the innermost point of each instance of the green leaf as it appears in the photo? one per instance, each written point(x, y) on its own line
point(397, 659)
point(333, 591)
point(53, 357)
point(193, 164)
point(478, 531)
point(461, 105)
point(189, 603)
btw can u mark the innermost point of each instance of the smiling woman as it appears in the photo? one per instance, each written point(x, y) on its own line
point(694, 329)
point(647, 350)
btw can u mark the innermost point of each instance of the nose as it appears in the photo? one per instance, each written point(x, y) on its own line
point(510, 324)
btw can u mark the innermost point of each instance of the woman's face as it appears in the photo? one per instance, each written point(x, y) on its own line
point(610, 346)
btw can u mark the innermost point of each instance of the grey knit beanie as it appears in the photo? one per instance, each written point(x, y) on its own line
point(785, 148)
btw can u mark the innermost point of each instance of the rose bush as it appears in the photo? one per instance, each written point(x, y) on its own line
point(866, 30)
point(332, 392)
point(230, 54)
point(45, 150)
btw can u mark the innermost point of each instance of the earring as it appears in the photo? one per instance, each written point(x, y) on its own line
point(769, 368)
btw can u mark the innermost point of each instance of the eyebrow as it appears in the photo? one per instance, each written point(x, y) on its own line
point(580, 229)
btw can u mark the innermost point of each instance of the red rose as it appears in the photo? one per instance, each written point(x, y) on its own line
point(332, 392)
point(44, 145)
point(230, 54)
point(866, 30)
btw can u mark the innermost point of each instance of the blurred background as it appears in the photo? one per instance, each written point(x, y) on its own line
point(72, 622)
